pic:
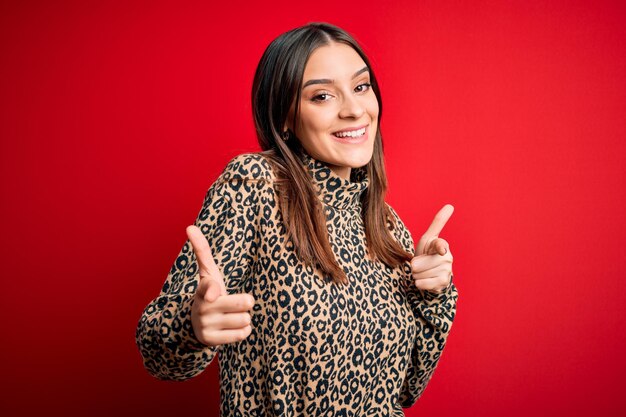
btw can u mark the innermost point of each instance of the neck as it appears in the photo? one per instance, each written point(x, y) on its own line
point(343, 172)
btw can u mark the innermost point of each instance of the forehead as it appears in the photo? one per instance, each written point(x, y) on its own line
point(335, 61)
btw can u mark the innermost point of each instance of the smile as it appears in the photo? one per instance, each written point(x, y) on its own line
point(351, 133)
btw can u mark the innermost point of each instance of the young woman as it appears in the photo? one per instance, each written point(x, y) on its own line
point(296, 271)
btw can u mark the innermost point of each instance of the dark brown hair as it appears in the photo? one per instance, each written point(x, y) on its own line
point(277, 85)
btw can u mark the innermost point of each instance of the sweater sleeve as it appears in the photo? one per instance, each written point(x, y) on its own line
point(434, 314)
point(228, 219)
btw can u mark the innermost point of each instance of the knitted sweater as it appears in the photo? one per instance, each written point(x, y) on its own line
point(316, 348)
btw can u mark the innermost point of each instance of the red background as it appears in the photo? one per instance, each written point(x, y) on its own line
point(116, 117)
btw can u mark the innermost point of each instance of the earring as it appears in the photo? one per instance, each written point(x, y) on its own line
point(285, 135)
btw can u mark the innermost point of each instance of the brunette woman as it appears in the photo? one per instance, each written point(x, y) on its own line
point(296, 271)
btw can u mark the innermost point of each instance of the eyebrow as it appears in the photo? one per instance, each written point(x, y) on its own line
point(329, 81)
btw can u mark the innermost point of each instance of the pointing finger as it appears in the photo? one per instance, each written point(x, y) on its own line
point(437, 246)
point(213, 291)
point(209, 289)
point(440, 220)
point(233, 303)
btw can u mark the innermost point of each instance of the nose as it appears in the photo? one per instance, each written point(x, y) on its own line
point(351, 107)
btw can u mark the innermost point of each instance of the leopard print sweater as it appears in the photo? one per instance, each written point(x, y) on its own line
point(316, 349)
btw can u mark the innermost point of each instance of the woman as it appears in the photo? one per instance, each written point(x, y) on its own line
point(296, 271)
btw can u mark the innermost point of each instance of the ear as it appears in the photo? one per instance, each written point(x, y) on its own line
point(288, 122)
point(287, 126)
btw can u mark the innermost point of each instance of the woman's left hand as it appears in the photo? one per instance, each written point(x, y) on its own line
point(431, 269)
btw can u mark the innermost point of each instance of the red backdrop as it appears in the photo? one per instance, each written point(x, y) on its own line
point(116, 117)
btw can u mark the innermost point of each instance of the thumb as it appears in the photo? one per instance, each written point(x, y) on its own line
point(206, 264)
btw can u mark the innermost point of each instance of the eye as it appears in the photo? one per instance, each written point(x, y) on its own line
point(321, 97)
point(363, 87)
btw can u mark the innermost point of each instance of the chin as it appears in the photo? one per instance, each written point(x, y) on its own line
point(358, 161)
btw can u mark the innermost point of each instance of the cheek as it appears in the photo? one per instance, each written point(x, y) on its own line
point(318, 122)
point(373, 113)
point(373, 108)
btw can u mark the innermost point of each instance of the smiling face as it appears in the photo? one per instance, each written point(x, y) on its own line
point(338, 115)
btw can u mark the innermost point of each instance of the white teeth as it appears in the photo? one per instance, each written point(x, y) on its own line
point(352, 134)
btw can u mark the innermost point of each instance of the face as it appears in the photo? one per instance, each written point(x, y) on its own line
point(338, 109)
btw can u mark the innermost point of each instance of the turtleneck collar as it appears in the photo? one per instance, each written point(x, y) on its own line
point(332, 189)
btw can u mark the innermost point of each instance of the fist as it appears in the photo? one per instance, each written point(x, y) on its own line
point(431, 269)
point(216, 316)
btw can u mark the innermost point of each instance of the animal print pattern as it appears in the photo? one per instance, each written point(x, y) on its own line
point(316, 349)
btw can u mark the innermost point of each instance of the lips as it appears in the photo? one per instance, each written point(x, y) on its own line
point(352, 132)
point(352, 139)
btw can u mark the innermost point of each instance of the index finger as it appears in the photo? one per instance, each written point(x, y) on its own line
point(233, 303)
point(440, 220)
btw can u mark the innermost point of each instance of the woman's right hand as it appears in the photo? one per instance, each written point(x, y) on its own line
point(217, 317)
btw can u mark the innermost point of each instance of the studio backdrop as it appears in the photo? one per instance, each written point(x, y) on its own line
point(116, 117)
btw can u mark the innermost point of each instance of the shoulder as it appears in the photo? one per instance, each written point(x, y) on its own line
point(250, 166)
point(399, 230)
point(245, 183)
point(394, 221)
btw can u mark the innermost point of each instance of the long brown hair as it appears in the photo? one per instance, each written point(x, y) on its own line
point(277, 84)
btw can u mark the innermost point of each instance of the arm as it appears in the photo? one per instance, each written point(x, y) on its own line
point(165, 336)
point(434, 314)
